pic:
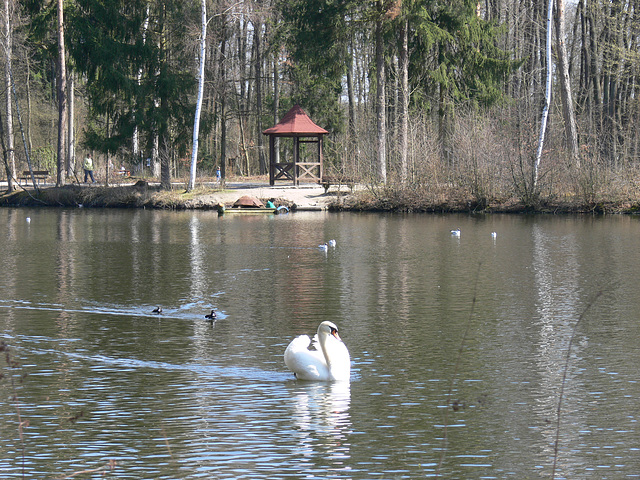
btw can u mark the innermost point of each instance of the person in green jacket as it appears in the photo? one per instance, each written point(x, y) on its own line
point(88, 168)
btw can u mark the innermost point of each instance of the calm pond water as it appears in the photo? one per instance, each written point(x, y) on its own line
point(459, 345)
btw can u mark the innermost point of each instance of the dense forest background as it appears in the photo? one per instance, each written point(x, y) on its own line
point(483, 99)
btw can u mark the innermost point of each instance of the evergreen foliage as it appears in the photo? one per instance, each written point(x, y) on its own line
point(133, 55)
point(455, 51)
point(315, 33)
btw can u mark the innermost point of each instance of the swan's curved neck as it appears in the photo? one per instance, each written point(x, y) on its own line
point(323, 347)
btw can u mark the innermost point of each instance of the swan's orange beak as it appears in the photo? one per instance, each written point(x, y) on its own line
point(334, 332)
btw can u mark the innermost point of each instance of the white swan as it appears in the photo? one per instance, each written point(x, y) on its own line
point(329, 361)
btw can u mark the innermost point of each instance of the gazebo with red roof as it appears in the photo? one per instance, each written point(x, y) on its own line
point(297, 125)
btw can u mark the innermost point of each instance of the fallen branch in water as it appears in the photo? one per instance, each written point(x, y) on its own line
point(443, 452)
point(111, 464)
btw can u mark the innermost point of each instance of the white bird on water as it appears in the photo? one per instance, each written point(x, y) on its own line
point(494, 235)
point(329, 361)
point(332, 243)
point(456, 232)
point(323, 247)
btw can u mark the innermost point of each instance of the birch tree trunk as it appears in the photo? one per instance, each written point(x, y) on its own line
point(10, 157)
point(545, 110)
point(3, 145)
point(565, 86)
point(62, 97)
point(196, 122)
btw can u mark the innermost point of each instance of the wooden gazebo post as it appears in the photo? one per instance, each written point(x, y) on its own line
point(297, 125)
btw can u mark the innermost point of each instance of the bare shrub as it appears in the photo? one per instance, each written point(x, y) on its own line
point(480, 158)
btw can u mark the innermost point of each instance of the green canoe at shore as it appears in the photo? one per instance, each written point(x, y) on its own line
point(225, 210)
point(252, 210)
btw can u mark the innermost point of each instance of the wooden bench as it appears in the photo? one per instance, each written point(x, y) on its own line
point(328, 180)
point(37, 175)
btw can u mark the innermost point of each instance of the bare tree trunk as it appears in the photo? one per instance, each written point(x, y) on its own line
point(136, 134)
point(351, 97)
point(223, 111)
point(352, 146)
point(165, 158)
point(196, 122)
point(243, 100)
point(565, 86)
point(155, 155)
point(614, 50)
point(5, 157)
point(276, 105)
point(163, 127)
point(11, 159)
point(71, 156)
point(262, 163)
point(28, 87)
point(380, 106)
point(242, 145)
point(62, 97)
point(107, 162)
point(403, 139)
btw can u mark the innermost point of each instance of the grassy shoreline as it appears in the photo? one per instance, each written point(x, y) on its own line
point(143, 195)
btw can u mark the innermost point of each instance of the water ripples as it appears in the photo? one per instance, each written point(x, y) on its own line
point(218, 420)
point(101, 378)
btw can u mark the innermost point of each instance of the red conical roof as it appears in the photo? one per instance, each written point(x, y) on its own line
point(295, 123)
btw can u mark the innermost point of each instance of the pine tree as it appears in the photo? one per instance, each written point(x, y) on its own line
point(455, 58)
point(138, 75)
point(315, 33)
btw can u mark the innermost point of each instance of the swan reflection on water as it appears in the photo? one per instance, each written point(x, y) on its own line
point(321, 419)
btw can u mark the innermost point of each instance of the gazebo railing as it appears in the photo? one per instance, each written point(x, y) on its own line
point(282, 171)
point(309, 171)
